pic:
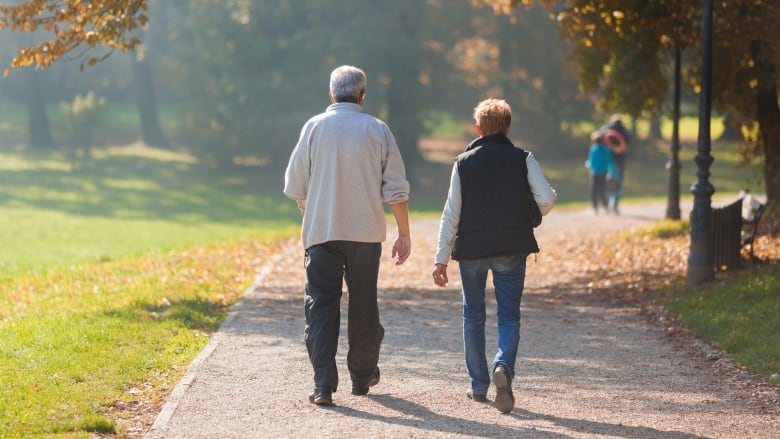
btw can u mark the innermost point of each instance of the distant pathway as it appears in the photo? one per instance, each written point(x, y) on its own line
point(586, 370)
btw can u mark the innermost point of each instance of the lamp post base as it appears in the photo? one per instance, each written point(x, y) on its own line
point(698, 273)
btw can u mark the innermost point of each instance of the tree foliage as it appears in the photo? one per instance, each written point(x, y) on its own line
point(253, 71)
point(473, 53)
point(248, 73)
point(621, 53)
point(70, 24)
point(620, 48)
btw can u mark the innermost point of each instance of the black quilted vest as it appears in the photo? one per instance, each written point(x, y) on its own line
point(494, 219)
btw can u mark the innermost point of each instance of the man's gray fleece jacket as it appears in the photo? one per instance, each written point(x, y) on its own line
point(346, 164)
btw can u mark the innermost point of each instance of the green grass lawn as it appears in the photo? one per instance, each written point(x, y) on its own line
point(80, 344)
point(127, 201)
point(114, 272)
point(740, 312)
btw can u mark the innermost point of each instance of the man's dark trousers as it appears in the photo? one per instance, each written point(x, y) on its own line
point(329, 264)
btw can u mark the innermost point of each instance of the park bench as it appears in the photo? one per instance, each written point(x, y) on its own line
point(752, 211)
point(734, 227)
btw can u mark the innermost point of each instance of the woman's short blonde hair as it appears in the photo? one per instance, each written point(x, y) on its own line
point(493, 116)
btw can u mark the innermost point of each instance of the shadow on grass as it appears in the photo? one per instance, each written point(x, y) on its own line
point(141, 188)
point(197, 313)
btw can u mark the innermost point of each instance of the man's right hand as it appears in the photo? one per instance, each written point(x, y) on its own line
point(402, 248)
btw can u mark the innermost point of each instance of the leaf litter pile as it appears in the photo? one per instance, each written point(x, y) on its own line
point(632, 270)
point(628, 268)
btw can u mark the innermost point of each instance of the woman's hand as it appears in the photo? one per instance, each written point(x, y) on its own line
point(440, 275)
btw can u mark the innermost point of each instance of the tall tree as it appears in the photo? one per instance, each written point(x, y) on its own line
point(538, 86)
point(745, 78)
point(35, 87)
point(253, 71)
point(750, 79)
point(38, 120)
point(143, 77)
point(473, 54)
point(151, 131)
point(403, 68)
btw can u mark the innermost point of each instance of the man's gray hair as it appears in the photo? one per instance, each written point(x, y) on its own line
point(347, 83)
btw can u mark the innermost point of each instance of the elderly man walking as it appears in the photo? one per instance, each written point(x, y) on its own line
point(487, 226)
point(343, 169)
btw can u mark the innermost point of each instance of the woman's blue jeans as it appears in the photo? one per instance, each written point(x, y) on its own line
point(508, 280)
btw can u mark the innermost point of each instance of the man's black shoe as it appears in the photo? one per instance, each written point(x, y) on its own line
point(362, 390)
point(321, 396)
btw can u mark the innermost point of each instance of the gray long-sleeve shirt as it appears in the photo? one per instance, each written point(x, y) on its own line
point(544, 195)
point(346, 164)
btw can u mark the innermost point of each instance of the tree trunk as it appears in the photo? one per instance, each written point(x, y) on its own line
point(633, 130)
point(655, 126)
point(404, 118)
point(506, 57)
point(147, 104)
point(768, 115)
point(731, 129)
point(404, 89)
point(38, 121)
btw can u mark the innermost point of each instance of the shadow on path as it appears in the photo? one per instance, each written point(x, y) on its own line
point(422, 418)
point(603, 428)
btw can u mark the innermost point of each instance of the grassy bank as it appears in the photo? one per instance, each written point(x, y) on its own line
point(740, 312)
point(83, 348)
point(113, 273)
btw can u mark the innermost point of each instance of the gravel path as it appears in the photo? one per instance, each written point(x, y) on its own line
point(585, 370)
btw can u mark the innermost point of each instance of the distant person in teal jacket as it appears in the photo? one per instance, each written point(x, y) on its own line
point(601, 165)
point(617, 138)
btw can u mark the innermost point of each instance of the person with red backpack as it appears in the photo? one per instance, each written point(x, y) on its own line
point(617, 138)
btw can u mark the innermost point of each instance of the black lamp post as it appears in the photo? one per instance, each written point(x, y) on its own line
point(700, 258)
point(674, 166)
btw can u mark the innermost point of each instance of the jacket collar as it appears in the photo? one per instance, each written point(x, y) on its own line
point(490, 138)
point(345, 106)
